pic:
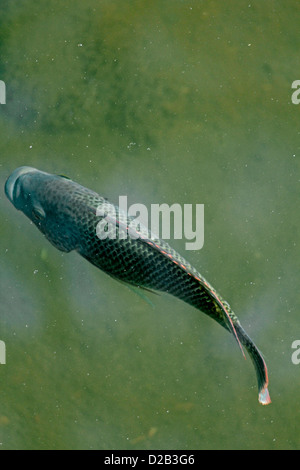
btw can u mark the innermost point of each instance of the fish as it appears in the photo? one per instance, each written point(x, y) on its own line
point(68, 215)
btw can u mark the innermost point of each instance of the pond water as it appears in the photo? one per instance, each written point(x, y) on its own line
point(183, 102)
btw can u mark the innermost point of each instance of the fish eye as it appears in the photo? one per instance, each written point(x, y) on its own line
point(38, 213)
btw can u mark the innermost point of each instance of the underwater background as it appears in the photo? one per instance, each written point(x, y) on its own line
point(178, 101)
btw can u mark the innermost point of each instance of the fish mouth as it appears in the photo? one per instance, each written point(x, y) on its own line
point(12, 179)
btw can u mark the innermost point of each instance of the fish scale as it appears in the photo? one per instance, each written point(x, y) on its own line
point(67, 214)
point(140, 263)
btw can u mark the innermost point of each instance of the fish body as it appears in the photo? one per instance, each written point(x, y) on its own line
point(68, 215)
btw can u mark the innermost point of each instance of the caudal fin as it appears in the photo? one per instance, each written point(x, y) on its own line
point(259, 365)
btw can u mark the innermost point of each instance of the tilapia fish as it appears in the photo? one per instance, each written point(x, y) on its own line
point(68, 214)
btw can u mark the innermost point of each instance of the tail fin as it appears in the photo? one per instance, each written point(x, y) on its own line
point(259, 364)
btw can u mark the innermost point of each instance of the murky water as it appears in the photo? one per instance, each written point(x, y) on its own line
point(175, 101)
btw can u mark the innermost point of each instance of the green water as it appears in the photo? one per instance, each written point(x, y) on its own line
point(174, 101)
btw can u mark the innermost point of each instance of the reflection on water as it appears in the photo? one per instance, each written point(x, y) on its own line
point(174, 102)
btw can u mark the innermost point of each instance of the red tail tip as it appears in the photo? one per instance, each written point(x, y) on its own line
point(264, 397)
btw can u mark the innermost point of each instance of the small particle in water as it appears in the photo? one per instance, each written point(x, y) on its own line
point(131, 144)
point(152, 431)
point(44, 254)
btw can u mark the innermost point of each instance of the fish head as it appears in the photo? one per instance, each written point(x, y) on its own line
point(44, 199)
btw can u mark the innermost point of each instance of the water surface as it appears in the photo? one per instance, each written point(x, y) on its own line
point(175, 101)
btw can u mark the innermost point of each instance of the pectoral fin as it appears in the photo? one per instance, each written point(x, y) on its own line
point(139, 290)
